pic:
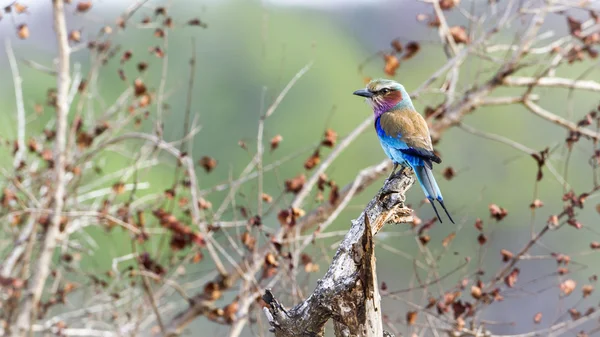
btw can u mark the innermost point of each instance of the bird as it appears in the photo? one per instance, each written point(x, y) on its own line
point(404, 135)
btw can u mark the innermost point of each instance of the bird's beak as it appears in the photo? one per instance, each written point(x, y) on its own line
point(363, 93)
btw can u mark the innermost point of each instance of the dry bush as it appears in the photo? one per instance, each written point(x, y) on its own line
point(55, 189)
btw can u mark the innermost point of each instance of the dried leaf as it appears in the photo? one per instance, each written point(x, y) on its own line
point(33, 145)
point(575, 315)
point(248, 240)
point(567, 287)
point(562, 258)
point(537, 318)
point(416, 220)
point(150, 264)
point(267, 198)
point(479, 224)
point(84, 6)
point(482, 239)
point(295, 184)
point(397, 45)
point(23, 31)
point(511, 279)
point(476, 292)
point(197, 257)
point(275, 142)
point(126, 56)
point(574, 26)
point(506, 255)
point(537, 203)
point(230, 311)
point(213, 291)
point(434, 22)
point(313, 160)
point(170, 193)
point(84, 140)
point(197, 22)
point(168, 22)
point(497, 212)
point(139, 87)
point(449, 173)
point(271, 260)
point(142, 66)
point(204, 204)
point(587, 290)
point(311, 267)
point(305, 259)
point(157, 51)
point(118, 187)
point(255, 221)
point(448, 239)
point(412, 48)
point(122, 75)
point(391, 64)
point(322, 182)
point(411, 317)
point(334, 193)
point(75, 36)
point(298, 212)
point(574, 223)
point(208, 163)
point(330, 138)
point(19, 8)
point(459, 34)
point(421, 17)
point(595, 245)
point(448, 4)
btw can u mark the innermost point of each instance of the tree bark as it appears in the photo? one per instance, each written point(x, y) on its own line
point(349, 292)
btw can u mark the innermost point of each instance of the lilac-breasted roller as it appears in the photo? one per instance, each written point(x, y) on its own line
point(404, 135)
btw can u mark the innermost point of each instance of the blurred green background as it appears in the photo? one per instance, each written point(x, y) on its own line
point(251, 48)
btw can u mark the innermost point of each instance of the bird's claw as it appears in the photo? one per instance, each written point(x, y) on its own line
point(393, 172)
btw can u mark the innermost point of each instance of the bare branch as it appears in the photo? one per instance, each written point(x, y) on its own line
point(538, 110)
point(29, 308)
point(516, 81)
point(17, 81)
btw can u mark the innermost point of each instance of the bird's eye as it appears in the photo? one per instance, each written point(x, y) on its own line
point(385, 90)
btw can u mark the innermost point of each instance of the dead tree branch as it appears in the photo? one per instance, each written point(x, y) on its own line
point(348, 293)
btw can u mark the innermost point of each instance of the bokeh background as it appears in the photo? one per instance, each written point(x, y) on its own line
point(251, 49)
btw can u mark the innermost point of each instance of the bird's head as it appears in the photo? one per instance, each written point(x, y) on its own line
point(384, 94)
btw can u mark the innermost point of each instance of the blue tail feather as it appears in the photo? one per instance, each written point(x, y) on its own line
point(431, 188)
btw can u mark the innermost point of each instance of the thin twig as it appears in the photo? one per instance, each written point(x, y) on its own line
point(18, 84)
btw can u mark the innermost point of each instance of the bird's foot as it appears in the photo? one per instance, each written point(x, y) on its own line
point(406, 170)
point(393, 171)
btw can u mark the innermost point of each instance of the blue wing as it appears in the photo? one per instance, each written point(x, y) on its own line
point(400, 152)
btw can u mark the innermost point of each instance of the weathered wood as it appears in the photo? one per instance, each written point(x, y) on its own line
point(348, 293)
